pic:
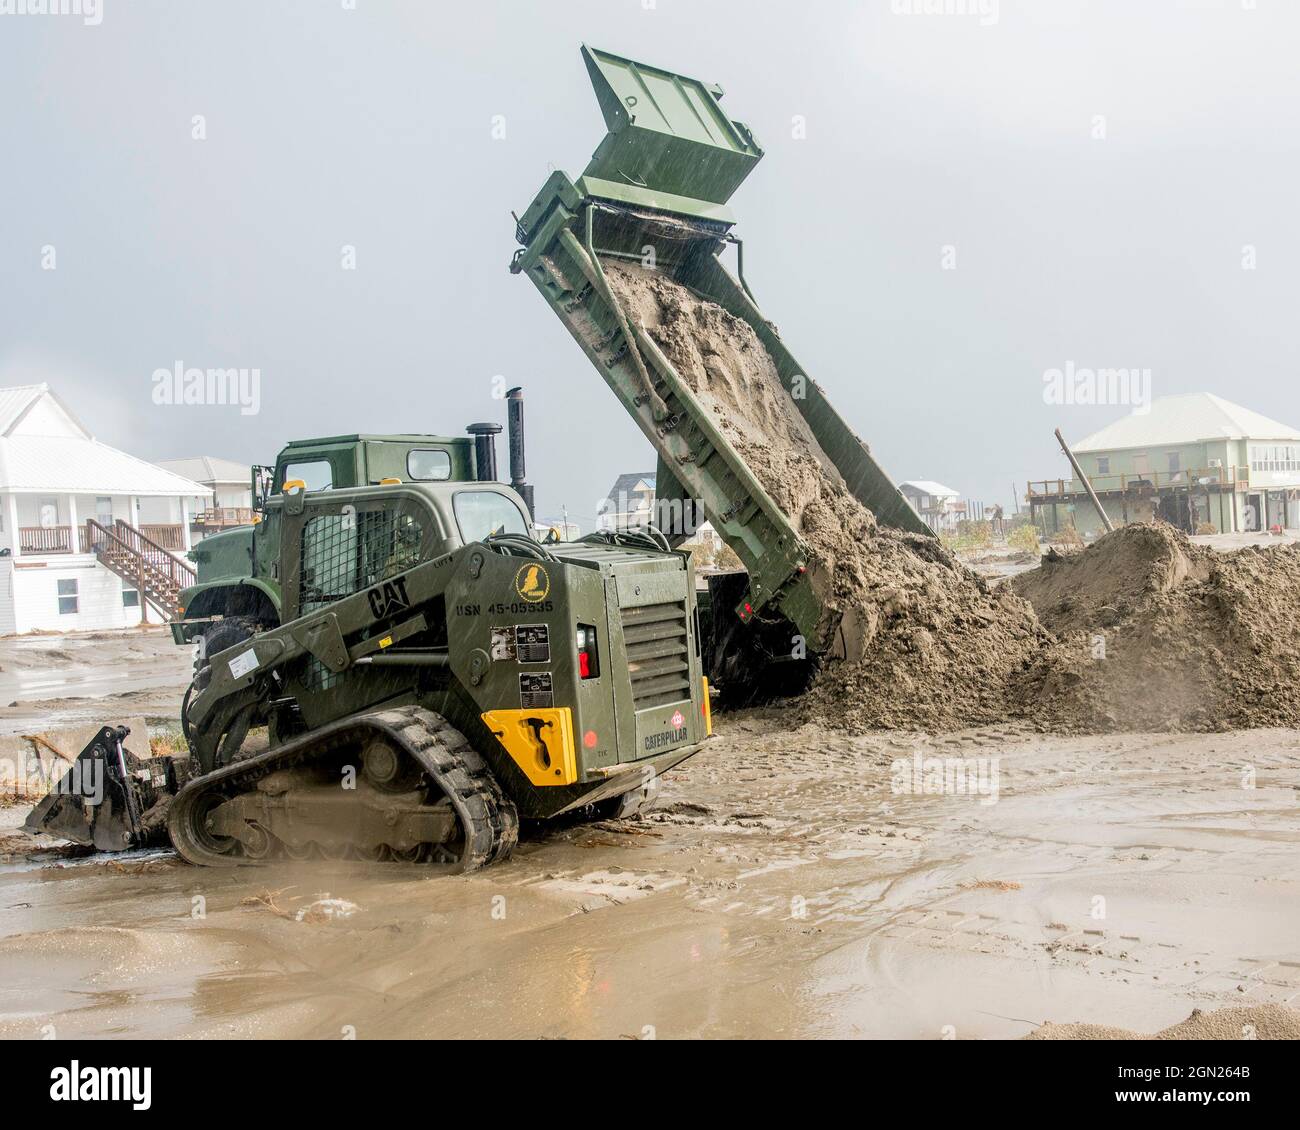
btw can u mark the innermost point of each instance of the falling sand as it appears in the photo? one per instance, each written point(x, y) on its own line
point(921, 642)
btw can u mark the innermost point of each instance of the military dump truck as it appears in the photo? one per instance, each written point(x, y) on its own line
point(439, 675)
point(238, 589)
point(662, 178)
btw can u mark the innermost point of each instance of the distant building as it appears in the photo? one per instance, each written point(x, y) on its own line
point(1193, 461)
point(230, 501)
point(940, 507)
point(558, 530)
point(632, 503)
point(84, 528)
point(629, 504)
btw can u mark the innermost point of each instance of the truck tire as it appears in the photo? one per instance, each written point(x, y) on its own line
point(223, 634)
point(219, 636)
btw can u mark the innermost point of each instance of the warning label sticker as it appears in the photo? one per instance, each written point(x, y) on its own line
point(503, 645)
point(536, 690)
point(243, 663)
point(521, 643)
point(534, 643)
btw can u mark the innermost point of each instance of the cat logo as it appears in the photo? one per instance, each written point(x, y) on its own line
point(389, 598)
point(532, 583)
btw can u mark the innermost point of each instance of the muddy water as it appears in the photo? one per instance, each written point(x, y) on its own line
point(49, 681)
point(782, 888)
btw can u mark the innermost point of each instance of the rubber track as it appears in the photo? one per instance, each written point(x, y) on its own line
point(487, 816)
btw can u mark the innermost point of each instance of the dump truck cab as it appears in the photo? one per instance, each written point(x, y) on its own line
point(238, 589)
point(236, 574)
point(359, 460)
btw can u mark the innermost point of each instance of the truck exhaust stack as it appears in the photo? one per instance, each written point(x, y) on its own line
point(515, 438)
point(485, 448)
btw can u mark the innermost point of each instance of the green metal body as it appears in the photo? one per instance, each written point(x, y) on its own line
point(670, 146)
point(679, 166)
point(237, 569)
point(386, 604)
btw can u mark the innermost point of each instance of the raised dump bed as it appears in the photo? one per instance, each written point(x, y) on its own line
point(661, 180)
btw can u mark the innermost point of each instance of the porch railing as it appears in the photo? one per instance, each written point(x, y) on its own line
point(136, 557)
point(167, 536)
point(222, 516)
point(1137, 482)
point(59, 539)
point(45, 539)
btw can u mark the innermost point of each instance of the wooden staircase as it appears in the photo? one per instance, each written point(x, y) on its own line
point(156, 575)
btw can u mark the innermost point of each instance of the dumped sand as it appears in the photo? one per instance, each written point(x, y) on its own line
point(923, 642)
point(1141, 631)
point(1262, 1022)
point(1155, 633)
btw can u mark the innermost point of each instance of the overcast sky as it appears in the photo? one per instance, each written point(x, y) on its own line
point(1097, 169)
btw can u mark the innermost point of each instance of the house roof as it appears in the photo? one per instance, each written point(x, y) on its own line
point(625, 485)
point(1185, 419)
point(208, 469)
point(17, 401)
point(929, 486)
point(83, 466)
point(44, 447)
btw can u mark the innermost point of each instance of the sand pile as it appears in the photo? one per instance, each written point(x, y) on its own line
point(1141, 631)
point(922, 641)
point(1155, 633)
point(1261, 1022)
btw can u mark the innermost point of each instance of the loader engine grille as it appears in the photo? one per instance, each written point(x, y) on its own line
point(658, 656)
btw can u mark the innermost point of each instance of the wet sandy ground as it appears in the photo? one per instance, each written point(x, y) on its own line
point(780, 888)
point(49, 681)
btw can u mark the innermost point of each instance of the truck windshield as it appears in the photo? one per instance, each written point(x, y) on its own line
point(316, 473)
point(482, 513)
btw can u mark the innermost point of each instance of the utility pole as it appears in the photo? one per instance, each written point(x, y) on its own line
point(1084, 479)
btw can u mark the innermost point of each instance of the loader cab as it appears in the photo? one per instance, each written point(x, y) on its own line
point(334, 543)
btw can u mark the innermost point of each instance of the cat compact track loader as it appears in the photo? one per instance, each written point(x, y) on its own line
point(439, 676)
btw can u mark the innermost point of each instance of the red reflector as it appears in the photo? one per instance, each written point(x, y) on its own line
point(589, 739)
point(584, 665)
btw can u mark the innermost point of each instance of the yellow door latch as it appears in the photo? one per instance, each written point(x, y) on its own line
point(539, 741)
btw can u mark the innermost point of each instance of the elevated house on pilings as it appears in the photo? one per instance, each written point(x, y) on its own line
point(1195, 461)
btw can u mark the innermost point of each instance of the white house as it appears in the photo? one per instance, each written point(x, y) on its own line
point(629, 504)
point(228, 500)
point(632, 502)
point(940, 507)
point(77, 518)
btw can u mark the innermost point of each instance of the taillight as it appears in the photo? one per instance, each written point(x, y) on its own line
point(588, 656)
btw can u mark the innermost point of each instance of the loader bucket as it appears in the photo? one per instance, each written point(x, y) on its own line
point(107, 799)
